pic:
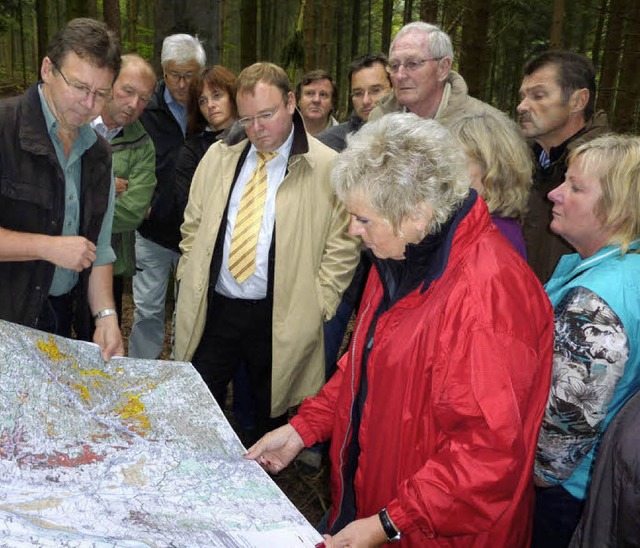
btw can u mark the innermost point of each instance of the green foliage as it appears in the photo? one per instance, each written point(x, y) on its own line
point(293, 52)
point(9, 15)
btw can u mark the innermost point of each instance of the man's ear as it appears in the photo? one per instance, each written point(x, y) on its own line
point(444, 67)
point(46, 69)
point(579, 99)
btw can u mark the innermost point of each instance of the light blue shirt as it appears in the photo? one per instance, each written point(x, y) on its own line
point(64, 280)
point(255, 286)
point(179, 112)
point(102, 129)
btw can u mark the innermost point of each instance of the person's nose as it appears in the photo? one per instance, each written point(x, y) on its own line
point(523, 106)
point(557, 194)
point(355, 228)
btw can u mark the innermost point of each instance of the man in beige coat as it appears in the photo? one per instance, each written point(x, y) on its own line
point(420, 59)
point(304, 259)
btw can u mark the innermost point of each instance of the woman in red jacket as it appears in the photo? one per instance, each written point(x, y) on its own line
point(434, 412)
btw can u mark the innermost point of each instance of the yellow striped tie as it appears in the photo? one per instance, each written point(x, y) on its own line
point(244, 242)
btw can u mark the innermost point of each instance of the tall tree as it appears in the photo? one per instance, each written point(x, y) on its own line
point(611, 55)
point(132, 25)
point(556, 41)
point(407, 15)
point(111, 13)
point(248, 26)
point(429, 10)
point(628, 96)
point(387, 22)
point(475, 25)
point(42, 22)
point(355, 28)
point(186, 16)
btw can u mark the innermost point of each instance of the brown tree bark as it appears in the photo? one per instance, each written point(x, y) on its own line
point(387, 21)
point(111, 13)
point(597, 41)
point(248, 26)
point(556, 41)
point(42, 22)
point(611, 56)
point(132, 25)
point(407, 15)
point(186, 16)
point(429, 11)
point(475, 25)
point(355, 28)
point(628, 96)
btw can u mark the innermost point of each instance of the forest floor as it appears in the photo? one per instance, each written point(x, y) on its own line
point(308, 492)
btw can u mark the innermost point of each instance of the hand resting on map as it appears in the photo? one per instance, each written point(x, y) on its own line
point(275, 450)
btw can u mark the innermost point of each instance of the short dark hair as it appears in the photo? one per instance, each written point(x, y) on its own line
point(216, 76)
point(367, 61)
point(314, 76)
point(90, 40)
point(575, 72)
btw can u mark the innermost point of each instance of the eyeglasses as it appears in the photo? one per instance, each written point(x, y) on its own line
point(262, 117)
point(410, 65)
point(82, 91)
point(175, 77)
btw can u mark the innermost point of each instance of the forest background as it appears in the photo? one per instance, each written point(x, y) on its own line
point(492, 38)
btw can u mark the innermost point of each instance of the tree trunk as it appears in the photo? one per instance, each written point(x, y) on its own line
point(248, 26)
point(42, 18)
point(429, 11)
point(407, 16)
point(597, 42)
point(186, 16)
point(475, 24)
point(387, 21)
point(628, 96)
point(111, 13)
point(132, 25)
point(355, 28)
point(611, 56)
point(556, 41)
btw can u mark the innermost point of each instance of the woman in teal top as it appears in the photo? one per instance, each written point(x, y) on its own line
point(596, 297)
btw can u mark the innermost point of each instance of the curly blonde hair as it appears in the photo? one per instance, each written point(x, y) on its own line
point(398, 164)
point(496, 144)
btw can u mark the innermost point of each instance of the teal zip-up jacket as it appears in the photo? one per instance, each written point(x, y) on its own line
point(591, 378)
point(134, 159)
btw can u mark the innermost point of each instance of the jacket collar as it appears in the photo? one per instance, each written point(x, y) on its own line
point(426, 261)
point(33, 133)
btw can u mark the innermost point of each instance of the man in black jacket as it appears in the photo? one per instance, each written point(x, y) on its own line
point(157, 239)
point(57, 194)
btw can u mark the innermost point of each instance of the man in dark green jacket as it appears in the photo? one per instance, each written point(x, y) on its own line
point(134, 162)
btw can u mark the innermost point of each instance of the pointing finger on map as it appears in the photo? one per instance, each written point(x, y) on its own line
point(275, 450)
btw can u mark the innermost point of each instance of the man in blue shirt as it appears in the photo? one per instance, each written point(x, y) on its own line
point(157, 239)
point(57, 194)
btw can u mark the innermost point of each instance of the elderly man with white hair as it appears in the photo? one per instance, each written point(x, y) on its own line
point(420, 59)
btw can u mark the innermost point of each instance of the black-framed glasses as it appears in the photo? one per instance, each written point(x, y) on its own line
point(82, 91)
point(175, 77)
point(410, 65)
point(247, 121)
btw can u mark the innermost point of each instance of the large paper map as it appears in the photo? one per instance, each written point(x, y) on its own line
point(129, 453)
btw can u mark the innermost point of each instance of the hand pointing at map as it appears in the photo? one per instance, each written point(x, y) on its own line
point(275, 450)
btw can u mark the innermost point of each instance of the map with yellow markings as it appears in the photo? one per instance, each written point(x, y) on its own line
point(128, 453)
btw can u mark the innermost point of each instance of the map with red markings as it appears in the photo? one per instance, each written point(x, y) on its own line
point(129, 453)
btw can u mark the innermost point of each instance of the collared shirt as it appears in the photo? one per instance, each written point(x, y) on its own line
point(64, 280)
point(255, 286)
point(102, 129)
point(179, 112)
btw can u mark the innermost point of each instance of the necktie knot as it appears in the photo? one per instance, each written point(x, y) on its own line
point(265, 157)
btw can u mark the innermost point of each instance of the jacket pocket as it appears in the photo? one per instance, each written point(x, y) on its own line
point(25, 192)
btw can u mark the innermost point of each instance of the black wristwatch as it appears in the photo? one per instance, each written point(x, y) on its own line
point(392, 533)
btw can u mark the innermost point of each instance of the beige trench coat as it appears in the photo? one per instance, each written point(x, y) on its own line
point(314, 262)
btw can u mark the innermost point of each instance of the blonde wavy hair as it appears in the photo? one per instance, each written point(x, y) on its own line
point(398, 164)
point(616, 161)
point(496, 144)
